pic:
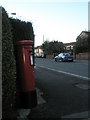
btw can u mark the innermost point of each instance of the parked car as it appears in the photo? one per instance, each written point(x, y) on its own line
point(64, 57)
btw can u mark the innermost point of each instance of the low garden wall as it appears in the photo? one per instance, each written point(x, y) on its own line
point(81, 56)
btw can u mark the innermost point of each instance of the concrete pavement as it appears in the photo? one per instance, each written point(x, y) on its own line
point(23, 113)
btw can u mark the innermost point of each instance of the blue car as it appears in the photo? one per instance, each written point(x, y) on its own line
point(64, 57)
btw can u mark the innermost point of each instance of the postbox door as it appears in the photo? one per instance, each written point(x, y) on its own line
point(28, 75)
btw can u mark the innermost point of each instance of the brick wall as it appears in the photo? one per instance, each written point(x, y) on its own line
point(50, 56)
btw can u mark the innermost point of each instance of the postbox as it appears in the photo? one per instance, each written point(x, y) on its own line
point(25, 72)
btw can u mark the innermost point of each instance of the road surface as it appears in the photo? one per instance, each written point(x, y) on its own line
point(66, 96)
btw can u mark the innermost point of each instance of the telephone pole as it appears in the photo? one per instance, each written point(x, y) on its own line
point(43, 38)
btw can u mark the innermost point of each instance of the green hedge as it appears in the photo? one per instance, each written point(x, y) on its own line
point(8, 66)
point(12, 31)
point(21, 30)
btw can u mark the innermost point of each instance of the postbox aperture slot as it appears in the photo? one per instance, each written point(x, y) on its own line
point(31, 59)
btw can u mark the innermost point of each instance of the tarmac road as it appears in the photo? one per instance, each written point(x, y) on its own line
point(77, 67)
point(66, 96)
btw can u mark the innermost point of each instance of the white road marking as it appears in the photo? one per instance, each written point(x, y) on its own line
point(78, 115)
point(67, 73)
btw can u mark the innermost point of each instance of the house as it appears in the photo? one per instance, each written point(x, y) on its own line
point(69, 47)
point(83, 34)
point(39, 52)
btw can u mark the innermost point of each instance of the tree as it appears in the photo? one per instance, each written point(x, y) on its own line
point(45, 47)
point(82, 43)
point(52, 47)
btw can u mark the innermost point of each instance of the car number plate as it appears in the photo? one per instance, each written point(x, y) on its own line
point(69, 59)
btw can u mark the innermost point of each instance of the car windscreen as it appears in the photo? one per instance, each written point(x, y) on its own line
point(67, 54)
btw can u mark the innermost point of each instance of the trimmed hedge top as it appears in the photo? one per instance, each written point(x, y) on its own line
point(21, 30)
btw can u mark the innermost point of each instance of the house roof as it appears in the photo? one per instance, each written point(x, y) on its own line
point(68, 44)
point(38, 47)
point(84, 34)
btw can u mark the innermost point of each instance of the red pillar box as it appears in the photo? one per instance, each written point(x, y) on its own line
point(25, 69)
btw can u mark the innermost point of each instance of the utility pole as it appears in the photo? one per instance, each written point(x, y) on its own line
point(88, 16)
point(43, 38)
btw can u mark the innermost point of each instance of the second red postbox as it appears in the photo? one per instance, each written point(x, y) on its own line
point(25, 72)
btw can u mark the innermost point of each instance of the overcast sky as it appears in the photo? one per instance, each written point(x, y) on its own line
point(53, 19)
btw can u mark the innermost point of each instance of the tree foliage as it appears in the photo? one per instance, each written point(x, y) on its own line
point(82, 44)
point(52, 47)
point(8, 64)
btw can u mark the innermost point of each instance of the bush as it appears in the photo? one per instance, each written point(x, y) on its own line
point(82, 43)
point(22, 30)
point(52, 47)
point(8, 66)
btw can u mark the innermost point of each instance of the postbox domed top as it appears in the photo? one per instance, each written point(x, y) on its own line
point(24, 42)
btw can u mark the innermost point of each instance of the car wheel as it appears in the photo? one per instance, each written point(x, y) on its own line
point(56, 60)
point(61, 59)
